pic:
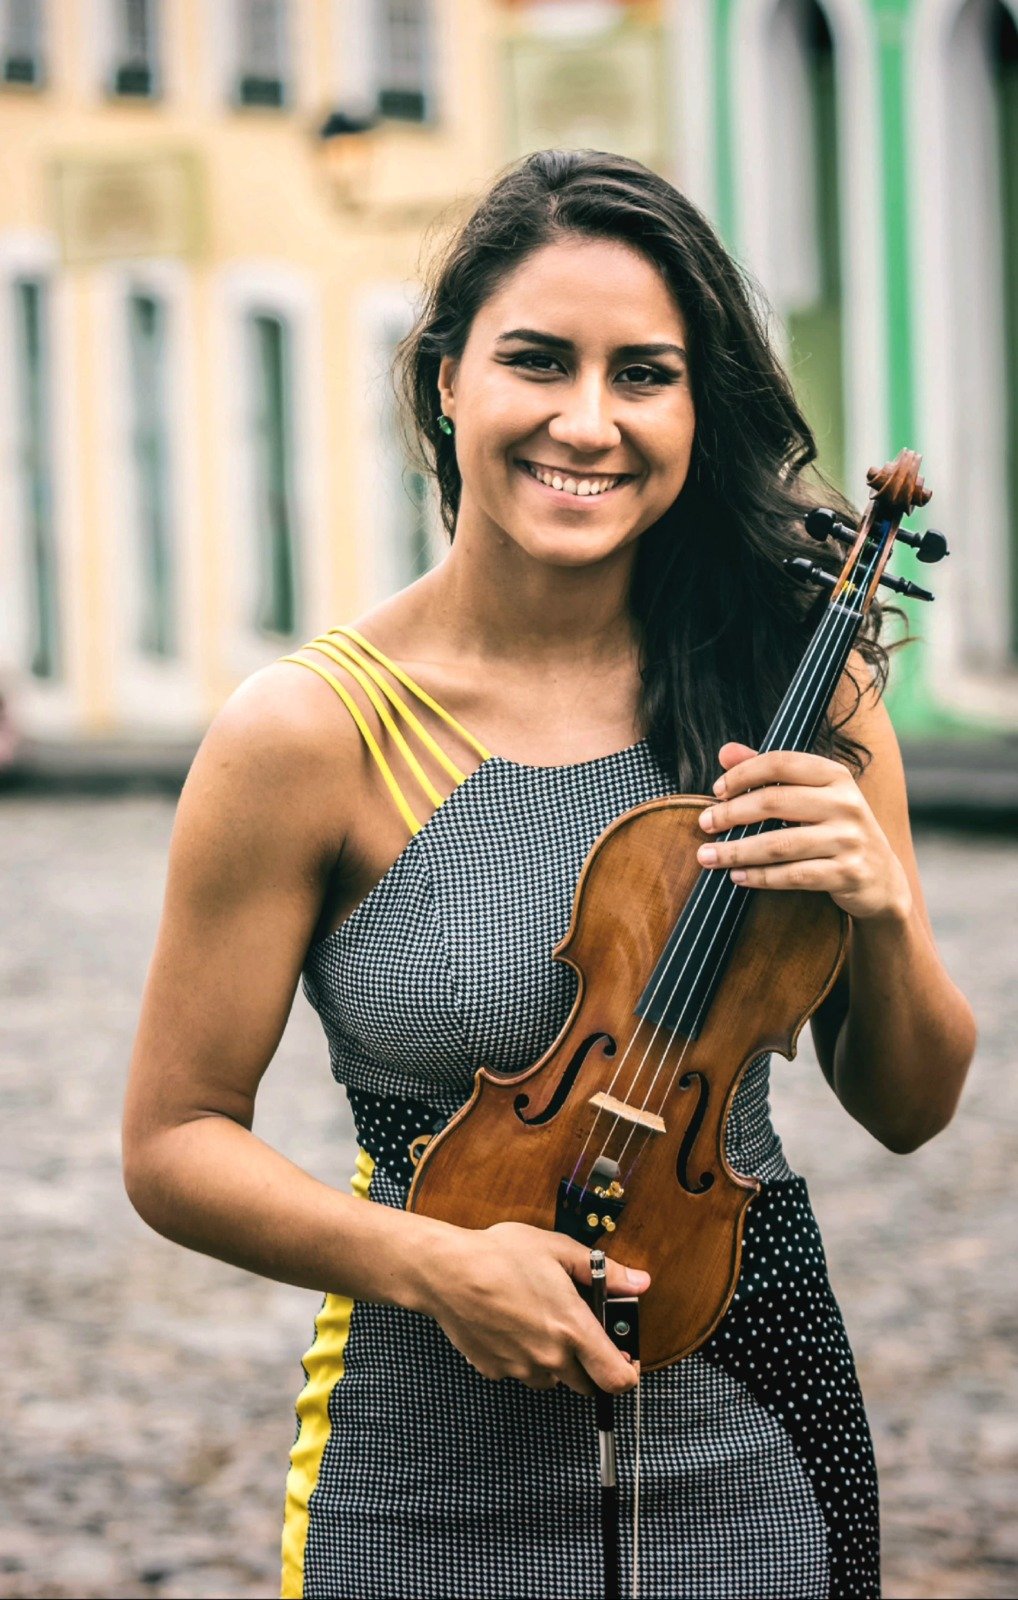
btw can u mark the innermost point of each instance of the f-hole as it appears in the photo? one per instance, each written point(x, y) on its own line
point(689, 1138)
point(566, 1081)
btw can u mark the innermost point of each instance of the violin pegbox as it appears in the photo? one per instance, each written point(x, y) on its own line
point(896, 490)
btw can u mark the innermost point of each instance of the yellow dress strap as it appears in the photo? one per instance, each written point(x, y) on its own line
point(363, 669)
point(415, 688)
point(368, 737)
point(354, 655)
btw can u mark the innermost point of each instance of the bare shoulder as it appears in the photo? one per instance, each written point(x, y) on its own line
point(273, 772)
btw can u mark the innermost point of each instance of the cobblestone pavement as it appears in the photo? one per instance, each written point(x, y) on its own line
point(152, 1389)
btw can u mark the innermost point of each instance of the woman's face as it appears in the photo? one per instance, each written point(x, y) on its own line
point(574, 374)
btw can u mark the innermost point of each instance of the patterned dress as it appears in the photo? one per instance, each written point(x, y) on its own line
point(412, 1475)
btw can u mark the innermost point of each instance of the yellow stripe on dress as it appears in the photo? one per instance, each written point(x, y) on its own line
point(324, 1366)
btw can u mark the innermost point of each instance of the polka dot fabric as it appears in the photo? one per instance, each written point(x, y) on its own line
point(757, 1475)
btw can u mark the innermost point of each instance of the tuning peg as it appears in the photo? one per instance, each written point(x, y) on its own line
point(930, 546)
point(902, 586)
point(823, 524)
point(803, 567)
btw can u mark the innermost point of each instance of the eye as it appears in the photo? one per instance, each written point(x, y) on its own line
point(653, 375)
point(528, 358)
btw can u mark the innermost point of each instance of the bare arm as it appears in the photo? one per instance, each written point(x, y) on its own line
point(261, 821)
point(896, 1037)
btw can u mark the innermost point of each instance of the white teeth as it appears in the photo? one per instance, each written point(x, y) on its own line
point(581, 486)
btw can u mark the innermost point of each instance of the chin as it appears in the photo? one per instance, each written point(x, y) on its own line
point(572, 548)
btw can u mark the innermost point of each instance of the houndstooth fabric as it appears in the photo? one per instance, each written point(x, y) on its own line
point(757, 1473)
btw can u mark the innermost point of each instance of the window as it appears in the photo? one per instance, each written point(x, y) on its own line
point(272, 469)
point(403, 500)
point(804, 219)
point(35, 471)
point(21, 42)
point(398, 514)
point(135, 65)
point(262, 52)
point(149, 443)
point(403, 67)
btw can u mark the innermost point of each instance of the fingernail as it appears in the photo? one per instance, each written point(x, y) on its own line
point(707, 854)
point(737, 876)
point(706, 818)
point(636, 1277)
point(719, 787)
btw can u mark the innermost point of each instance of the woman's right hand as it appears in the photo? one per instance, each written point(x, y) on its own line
point(507, 1298)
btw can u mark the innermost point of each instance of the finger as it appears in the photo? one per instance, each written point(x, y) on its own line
point(772, 849)
point(574, 1377)
point(624, 1280)
point(619, 1279)
point(777, 766)
point(796, 875)
point(733, 752)
point(605, 1365)
point(787, 802)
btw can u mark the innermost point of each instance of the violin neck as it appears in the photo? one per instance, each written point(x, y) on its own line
point(798, 718)
point(690, 967)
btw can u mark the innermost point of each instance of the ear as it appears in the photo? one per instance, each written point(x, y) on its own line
point(448, 367)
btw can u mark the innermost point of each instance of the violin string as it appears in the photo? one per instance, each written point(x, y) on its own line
point(843, 629)
point(721, 879)
point(838, 631)
point(709, 883)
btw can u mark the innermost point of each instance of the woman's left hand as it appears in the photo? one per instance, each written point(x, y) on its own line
point(838, 845)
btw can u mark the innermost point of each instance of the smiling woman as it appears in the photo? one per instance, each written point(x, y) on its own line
point(621, 468)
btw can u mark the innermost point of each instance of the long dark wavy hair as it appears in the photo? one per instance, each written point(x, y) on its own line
point(722, 624)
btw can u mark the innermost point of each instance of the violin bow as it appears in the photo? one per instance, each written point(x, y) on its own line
point(619, 1317)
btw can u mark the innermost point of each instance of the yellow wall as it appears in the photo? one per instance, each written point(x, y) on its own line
point(267, 197)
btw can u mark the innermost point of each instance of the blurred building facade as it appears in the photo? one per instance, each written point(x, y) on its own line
point(861, 158)
point(206, 261)
point(199, 298)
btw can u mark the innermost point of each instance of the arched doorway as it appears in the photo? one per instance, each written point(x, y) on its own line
point(805, 153)
point(807, 212)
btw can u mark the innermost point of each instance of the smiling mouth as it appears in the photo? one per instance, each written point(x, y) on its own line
point(572, 486)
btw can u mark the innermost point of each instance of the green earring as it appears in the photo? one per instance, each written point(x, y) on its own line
point(445, 423)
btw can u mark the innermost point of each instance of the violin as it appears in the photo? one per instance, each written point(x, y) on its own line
point(684, 977)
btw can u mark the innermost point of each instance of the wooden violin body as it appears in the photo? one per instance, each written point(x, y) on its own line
point(505, 1154)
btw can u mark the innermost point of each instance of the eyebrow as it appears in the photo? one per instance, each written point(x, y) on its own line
point(628, 352)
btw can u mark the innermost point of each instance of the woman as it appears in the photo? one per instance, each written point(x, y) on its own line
point(619, 459)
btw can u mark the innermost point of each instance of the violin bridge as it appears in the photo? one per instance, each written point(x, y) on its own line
point(627, 1113)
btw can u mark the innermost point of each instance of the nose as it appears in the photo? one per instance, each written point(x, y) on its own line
point(584, 421)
